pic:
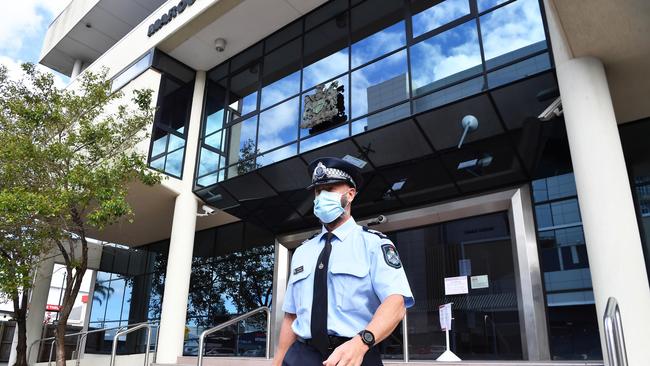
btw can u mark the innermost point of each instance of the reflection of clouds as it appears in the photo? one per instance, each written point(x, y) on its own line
point(277, 155)
point(445, 54)
point(325, 69)
point(512, 27)
point(278, 125)
point(378, 44)
point(280, 90)
point(374, 74)
point(324, 138)
point(208, 162)
point(438, 15)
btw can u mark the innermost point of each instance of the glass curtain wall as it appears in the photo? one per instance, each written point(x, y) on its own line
point(167, 150)
point(232, 274)
point(128, 290)
point(571, 311)
point(637, 156)
point(384, 60)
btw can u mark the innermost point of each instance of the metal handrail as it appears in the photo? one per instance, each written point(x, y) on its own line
point(614, 338)
point(127, 331)
point(236, 320)
point(81, 336)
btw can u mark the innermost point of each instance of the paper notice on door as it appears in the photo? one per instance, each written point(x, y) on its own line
point(456, 285)
point(479, 282)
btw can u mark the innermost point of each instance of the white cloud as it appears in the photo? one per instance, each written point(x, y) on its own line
point(25, 19)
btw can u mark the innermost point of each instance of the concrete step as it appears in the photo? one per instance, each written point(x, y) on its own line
point(257, 361)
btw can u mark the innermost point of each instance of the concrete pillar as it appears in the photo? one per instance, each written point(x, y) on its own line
point(76, 68)
point(281, 276)
point(179, 264)
point(37, 302)
point(608, 214)
point(177, 279)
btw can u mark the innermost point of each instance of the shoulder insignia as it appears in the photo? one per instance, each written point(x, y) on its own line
point(390, 255)
point(378, 233)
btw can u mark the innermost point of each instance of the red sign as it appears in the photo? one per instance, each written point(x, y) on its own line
point(84, 299)
point(50, 307)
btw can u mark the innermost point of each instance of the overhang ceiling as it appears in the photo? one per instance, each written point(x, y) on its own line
point(241, 23)
point(153, 213)
point(93, 33)
point(616, 32)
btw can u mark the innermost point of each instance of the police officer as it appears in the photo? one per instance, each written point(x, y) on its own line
point(347, 289)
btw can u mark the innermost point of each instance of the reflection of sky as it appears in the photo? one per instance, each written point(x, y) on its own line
point(214, 122)
point(248, 130)
point(277, 155)
point(208, 161)
point(280, 90)
point(378, 44)
point(325, 69)
point(114, 306)
point(159, 146)
point(325, 138)
point(214, 140)
point(511, 27)
point(174, 163)
point(374, 74)
point(487, 4)
point(445, 54)
point(247, 104)
point(438, 15)
point(279, 125)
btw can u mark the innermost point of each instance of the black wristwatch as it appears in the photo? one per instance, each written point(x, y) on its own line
point(367, 337)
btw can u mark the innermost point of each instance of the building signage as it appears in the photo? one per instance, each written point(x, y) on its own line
point(52, 307)
point(169, 15)
point(325, 105)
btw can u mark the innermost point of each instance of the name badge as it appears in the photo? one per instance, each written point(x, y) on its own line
point(298, 270)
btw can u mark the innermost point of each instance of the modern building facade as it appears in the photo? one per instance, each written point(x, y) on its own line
point(504, 143)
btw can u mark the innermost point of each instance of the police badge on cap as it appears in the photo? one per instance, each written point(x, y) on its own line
point(334, 170)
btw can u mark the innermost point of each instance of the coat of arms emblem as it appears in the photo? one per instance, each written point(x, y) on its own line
point(325, 105)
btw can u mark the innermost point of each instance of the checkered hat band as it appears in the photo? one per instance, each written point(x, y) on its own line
point(333, 173)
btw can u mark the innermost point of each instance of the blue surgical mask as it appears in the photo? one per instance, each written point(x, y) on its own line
point(327, 206)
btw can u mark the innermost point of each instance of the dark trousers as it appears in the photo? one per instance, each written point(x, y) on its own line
point(301, 354)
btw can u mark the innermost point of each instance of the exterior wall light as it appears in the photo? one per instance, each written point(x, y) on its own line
point(220, 44)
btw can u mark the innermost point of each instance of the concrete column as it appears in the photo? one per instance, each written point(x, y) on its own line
point(179, 264)
point(281, 276)
point(608, 214)
point(37, 302)
point(177, 279)
point(76, 68)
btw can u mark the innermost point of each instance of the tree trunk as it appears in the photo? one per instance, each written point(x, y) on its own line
point(20, 312)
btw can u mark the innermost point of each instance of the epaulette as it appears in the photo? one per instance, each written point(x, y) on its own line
point(378, 233)
point(311, 237)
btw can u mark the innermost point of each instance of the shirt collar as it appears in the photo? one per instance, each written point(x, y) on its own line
point(342, 231)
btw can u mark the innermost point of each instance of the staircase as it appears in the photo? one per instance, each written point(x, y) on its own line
point(257, 361)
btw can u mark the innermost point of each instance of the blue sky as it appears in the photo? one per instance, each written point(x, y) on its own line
point(23, 25)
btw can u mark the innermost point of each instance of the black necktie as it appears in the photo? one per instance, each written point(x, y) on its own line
point(319, 336)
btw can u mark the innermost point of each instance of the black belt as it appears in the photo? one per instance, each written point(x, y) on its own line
point(335, 341)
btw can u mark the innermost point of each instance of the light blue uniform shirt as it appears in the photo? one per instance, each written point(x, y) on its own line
point(363, 270)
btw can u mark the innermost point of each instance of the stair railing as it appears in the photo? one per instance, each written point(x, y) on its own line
point(614, 338)
point(236, 320)
point(127, 331)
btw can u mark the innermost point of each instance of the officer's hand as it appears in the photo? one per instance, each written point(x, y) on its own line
point(349, 353)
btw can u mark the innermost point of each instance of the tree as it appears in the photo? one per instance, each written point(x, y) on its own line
point(71, 155)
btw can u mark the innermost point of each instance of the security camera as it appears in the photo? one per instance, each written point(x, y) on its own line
point(381, 219)
point(207, 211)
point(220, 44)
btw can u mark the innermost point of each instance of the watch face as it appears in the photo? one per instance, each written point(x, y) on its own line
point(367, 336)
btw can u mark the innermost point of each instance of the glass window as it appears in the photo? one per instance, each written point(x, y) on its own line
point(132, 72)
point(445, 58)
point(325, 138)
point(380, 84)
point(444, 96)
point(284, 35)
point(277, 155)
point(174, 163)
point(242, 140)
point(519, 70)
point(484, 5)
point(208, 162)
point(381, 118)
point(511, 32)
point(326, 53)
point(215, 140)
point(279, 125)
point(437, 15)
point(377, 28)
point(243, 92)
point(281, 73)
point(159, 142)
point(378, 44)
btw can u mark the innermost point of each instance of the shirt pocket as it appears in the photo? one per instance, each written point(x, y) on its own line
point(352, 286)
point(302, 289)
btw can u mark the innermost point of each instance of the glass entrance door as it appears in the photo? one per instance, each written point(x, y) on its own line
point(478, 250)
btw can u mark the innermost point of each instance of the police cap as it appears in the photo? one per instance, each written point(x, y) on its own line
point(334, 170)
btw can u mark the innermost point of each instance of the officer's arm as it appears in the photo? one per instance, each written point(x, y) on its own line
point(287, 337)
point(386, 318)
